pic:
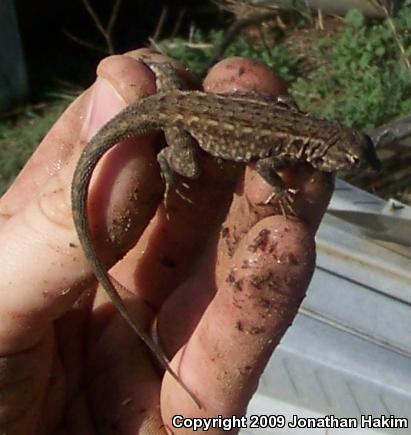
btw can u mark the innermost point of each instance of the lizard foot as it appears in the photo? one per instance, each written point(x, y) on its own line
point(182, 195)
point(285, 200)
point(179, 193)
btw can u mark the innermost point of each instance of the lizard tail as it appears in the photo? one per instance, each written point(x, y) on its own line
point(91, 155)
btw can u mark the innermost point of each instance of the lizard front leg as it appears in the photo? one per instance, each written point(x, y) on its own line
point(181, 157)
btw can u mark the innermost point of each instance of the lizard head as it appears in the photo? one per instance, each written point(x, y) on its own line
point(352, 151)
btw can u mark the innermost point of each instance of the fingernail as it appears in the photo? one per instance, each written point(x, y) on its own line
point(104, 104)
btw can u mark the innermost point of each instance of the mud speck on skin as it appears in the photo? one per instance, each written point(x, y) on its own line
point(290, 281)
point(252, 330)
point(272, 247)
point(245, 265)
point(264, 280)
point(231, 240)
point(290, 259)
point(236, 284)
point(230, 278)
point(237, 305)
point(255, 330)
point(264, 303)
point(244, 371)
point(260, 242)
point(225, 232)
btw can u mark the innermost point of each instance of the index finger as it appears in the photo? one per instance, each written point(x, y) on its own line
point(263, 264)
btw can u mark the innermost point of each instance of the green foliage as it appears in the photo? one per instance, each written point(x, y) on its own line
point(362, 79)
point(19, 136)
point(354, 18)
point(193, 54)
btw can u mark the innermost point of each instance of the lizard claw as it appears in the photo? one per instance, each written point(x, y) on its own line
point(179, 193)
point(285, 200)
point(182, 195)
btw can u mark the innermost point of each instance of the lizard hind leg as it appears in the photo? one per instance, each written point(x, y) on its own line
point(267, 168)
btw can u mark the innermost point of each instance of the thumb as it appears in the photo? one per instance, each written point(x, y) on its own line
point(41, 273)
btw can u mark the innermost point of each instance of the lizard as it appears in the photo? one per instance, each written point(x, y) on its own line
point(240, 127)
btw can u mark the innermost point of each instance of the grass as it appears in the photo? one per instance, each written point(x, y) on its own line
point(20, 134)
point(364, 81)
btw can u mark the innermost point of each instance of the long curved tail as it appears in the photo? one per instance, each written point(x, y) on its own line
point(116, 130)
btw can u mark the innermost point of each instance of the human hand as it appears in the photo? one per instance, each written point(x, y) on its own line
point(69, 364)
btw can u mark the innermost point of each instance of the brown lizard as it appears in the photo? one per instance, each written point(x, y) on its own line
point(239, 127)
